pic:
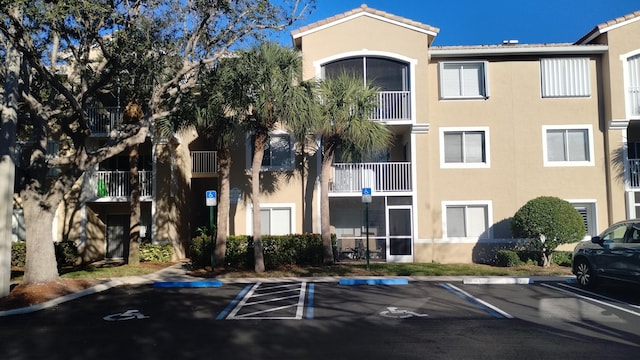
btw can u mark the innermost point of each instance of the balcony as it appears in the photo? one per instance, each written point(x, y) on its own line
point(102, 120)
point(388, 177)
point(116, 184)
point(204, 163)
point(393, 106)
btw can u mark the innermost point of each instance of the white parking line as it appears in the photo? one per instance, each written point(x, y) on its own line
point(266, 294)
point(493, 310)
point(593, 299)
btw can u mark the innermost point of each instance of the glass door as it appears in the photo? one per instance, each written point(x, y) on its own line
point(399, 234)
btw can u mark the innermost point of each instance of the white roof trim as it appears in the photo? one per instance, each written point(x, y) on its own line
point(363, 13)
point(506, 50)
point(609, 28)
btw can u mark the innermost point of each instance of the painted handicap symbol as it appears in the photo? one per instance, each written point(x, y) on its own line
point(395, 313)
point(127, 315)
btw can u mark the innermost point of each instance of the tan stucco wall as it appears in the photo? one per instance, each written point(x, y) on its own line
point(514, 115)
point(278, 187)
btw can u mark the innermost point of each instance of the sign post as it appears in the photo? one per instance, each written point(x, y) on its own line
point(366, 199)
point(211, 198)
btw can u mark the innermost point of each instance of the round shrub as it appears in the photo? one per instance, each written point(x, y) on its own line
point(547, 222)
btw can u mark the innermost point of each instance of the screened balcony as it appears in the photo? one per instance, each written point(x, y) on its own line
point(116, 184)
point(383, 177)
point(390, 76)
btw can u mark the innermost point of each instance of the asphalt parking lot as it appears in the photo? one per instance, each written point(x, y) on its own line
point(319, 320)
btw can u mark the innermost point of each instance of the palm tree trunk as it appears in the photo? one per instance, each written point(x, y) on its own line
point(325, 220)
point(224, 169)
point(258, 154)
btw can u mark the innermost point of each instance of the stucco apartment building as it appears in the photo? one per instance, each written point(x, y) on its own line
point(478, 131)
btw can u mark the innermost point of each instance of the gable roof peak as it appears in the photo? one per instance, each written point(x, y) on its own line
point(364, 10)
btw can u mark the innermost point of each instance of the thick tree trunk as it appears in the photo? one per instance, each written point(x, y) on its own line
point(134, 219)
point(224, 169)
point(41, 263)
point(325, 220)
point(258, 154)
point(7, 161)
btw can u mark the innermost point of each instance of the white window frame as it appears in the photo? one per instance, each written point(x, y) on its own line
point(484, 90)
point(565, 77)
point(288, 166)
point(487, 204)
point(465, 165)
point(545, 149)
point(627, 74)
point(270, 206)
point(590, 216)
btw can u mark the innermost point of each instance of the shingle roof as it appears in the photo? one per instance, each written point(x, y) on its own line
point(364, 10)
point(605, 26)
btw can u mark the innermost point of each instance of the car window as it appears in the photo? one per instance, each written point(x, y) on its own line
point(634, 234)
point(615, 234)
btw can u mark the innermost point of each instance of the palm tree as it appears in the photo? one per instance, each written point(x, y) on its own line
point(217, 117)
point(273, 72)
point(345, 105)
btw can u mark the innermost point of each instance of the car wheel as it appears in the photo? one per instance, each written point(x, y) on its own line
point(585, 274)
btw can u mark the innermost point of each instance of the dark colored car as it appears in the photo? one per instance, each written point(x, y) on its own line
point(614, 254)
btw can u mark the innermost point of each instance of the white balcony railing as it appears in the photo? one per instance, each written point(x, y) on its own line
point(393, 106)
point(116, 184)
point(634, 173)
point(102, 120)
point(380, 177)
point(204, 162)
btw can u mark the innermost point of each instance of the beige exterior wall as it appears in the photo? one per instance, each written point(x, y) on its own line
point(623, 42)
point(289, 189)
point(514, 116)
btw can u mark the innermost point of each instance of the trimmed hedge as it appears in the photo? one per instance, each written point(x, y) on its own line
point(157, 253)
point(509, 258)
point(295, 249)
point(66, 253)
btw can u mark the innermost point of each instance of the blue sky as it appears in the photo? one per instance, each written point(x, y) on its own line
point(482, 22)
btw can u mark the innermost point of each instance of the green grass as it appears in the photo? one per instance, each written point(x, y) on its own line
point(342, 269)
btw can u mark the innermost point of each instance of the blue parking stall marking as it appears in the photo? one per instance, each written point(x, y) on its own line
point(233, 303)
point(494, 311)
point(310, 301)
point(350, 281)
point(189, 284)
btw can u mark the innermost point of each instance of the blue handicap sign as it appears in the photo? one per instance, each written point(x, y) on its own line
point(366, 191)
point(211, 198)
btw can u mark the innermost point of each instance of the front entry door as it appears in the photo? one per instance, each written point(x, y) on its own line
point(117, 236)
point(399, 234)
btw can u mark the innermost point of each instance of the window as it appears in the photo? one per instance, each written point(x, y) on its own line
point(466, 220)
point(278, 153)
point(565, 77)
point(615, 234)
point(586, 208)
point(275, 220)
point(633, 88)
point(386, 74)
point(568, 146)
point(466, 147)
point(462, 80)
